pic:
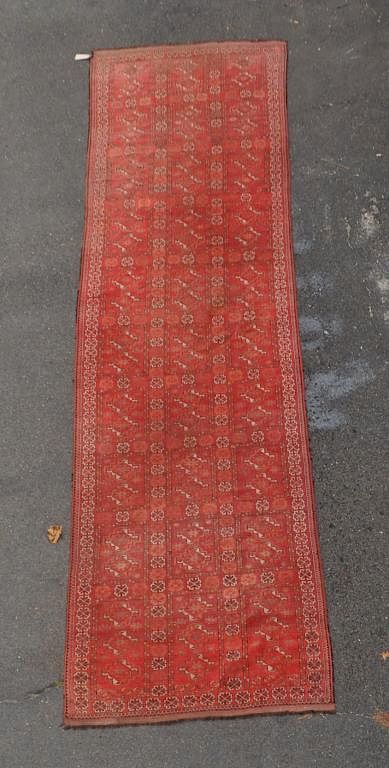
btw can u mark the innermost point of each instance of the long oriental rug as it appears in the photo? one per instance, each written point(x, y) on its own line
point(195, 584)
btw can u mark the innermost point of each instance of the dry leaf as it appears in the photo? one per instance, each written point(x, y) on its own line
point(382, 718)
point(54, 533)
point(385, 654)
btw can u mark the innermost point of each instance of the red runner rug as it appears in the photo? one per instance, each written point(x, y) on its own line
point(195, 587)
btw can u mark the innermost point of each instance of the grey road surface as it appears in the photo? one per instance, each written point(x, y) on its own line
point(338, 57)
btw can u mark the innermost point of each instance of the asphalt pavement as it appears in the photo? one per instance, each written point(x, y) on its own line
point(337, 87)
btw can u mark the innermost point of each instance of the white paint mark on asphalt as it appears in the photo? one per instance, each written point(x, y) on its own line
point(326, 387)
point(348, 230)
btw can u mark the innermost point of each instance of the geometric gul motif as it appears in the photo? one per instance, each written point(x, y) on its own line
point(195, 586)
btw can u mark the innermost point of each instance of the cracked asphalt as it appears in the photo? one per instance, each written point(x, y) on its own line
point(338, 61)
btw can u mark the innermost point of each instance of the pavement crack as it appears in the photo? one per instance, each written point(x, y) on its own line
point(38, 691)
point(34, 693)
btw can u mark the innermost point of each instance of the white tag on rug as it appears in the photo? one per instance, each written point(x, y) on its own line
point(82, 56)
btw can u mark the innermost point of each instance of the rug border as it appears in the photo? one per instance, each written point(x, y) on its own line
point(200, 45)
point(70, 722)
point(301, 401)
point(82, 292)
point(280, 45)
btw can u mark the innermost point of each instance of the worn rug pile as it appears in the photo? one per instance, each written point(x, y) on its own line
point(195, 584)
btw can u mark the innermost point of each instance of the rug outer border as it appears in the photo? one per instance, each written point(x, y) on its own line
point(301, 408)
